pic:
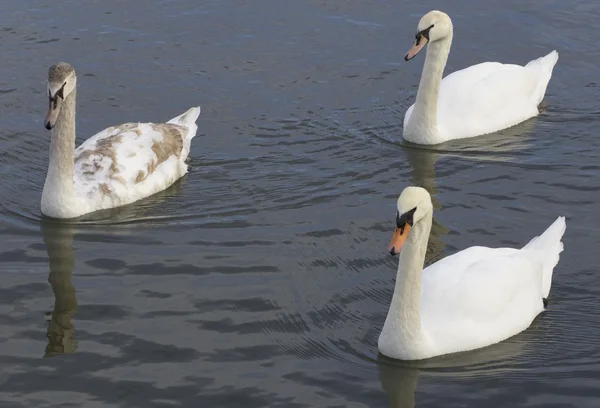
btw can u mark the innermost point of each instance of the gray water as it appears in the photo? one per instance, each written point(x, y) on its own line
point(261, 279)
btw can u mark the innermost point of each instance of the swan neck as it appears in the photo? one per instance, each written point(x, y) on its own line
point(59, 180)
point(404, 314)
point(431, 77)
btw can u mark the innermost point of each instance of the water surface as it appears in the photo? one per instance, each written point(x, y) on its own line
point(261, 278)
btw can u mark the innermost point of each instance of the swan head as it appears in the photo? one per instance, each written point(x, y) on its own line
point(413, 204)
point(433, 26)
point(61, 82)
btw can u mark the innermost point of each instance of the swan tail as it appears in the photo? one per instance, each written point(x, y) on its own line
point(188, 119)
point(543, 66)
point(547, 60)
point(549, 246)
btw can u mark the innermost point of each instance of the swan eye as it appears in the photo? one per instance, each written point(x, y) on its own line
point(60, 92)
point(423, 33)
point(406, 218)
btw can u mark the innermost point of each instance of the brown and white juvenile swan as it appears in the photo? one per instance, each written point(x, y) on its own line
point(480, 99)
point(472, 299)
point(117, 166)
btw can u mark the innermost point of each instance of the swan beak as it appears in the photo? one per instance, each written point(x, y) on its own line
point(53, 111)
point(420, 42)
point(398, 239)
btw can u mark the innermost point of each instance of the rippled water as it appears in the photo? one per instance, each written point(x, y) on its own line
point(261, 278)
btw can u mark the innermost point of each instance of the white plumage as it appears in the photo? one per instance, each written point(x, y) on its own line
point(472, 299)
point(477, 100)
point(118, 165)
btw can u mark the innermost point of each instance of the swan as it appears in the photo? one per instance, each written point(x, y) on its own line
point(477, 100)
point(116, 166)
point(468, 300)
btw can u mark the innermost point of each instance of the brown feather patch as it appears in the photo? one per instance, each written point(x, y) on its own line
point(170, 145)
point(105, 189)
point(104, 148)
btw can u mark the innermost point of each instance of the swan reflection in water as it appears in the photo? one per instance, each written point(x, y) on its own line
point(399, 379)
point(495, 147)
point(58, 238)
point(423, 167)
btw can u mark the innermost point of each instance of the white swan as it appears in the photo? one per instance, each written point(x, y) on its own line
point(115, 167)
point(477, 100)
point(472, 299)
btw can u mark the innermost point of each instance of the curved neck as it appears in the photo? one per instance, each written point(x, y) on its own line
point(59, 180)
point(404, 316)
point(425, 109)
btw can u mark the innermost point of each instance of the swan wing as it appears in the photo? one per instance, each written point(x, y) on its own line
point(124, 163)
point(491, 96)
point(480, 296)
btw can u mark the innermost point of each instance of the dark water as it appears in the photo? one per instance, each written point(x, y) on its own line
point(261, 278)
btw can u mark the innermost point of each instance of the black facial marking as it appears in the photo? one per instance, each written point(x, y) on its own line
point(406, 218)
point(59, 94)
point(61, 91)
point(423, 33)
point(545, 301)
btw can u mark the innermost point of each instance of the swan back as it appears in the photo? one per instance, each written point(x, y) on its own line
point(125, 163)
point(481, 296)
point(491, 96)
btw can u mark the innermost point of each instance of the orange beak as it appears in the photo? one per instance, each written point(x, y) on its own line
point(398, 239)
point(416, 48)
